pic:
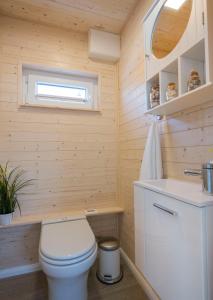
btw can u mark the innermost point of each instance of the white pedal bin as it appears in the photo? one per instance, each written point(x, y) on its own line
point(109, 270)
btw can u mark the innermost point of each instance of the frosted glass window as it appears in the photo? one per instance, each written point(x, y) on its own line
point(61, 91)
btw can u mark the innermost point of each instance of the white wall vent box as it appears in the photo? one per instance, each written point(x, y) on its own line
point(104, 46)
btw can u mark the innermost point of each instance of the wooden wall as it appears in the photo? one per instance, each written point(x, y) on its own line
point(19, 244)
point(187, 137)
point(71, 154)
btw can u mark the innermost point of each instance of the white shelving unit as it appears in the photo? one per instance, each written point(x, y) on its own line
point(199, 96)
point(177, 66)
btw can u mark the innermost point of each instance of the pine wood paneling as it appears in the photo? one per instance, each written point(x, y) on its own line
point(108, 15)
point(104, 225)
point(19, 244)
point(133, 123)
point(71, 154)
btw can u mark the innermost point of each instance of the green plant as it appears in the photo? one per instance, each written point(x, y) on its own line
point(11, 183)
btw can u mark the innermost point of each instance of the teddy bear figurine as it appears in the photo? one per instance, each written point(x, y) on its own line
point(155, 95)
point(171, 92)
point(194, 81)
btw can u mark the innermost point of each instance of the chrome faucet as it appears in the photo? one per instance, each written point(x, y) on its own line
point(207, 176)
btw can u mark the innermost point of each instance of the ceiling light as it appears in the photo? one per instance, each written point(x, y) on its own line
point(174, 4)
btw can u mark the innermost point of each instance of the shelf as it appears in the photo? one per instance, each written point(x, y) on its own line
point(199, 96)
point(168, 75)
point(36, 219)
point(193, 59)
point(178, 71)
point(150, 83)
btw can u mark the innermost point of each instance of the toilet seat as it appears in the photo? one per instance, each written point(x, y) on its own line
point(67, 262)
point(66, 242)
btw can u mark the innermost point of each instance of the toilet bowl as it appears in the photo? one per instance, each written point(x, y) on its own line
point(67, 250)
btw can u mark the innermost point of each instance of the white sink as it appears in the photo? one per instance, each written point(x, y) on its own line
point(181, 190)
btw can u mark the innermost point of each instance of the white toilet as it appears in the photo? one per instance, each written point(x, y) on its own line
point(67, 251)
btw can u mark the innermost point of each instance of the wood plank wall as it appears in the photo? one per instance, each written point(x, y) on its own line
point(71, 154)
point(76, 165)
point(19, 244)
point(186, 137)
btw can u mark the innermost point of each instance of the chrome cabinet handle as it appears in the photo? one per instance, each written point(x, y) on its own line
point(169, 211)
point(192, 172)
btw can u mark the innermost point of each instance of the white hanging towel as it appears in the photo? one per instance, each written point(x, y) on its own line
point(151, 167)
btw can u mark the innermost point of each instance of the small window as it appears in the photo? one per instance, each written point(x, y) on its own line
point(52, 89)
point(67, 92)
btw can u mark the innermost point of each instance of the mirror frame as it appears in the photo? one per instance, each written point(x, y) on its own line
point(155, 25)
point(149, 21)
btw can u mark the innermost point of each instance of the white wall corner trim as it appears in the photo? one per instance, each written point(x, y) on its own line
point(139, 277)
point(19, 270)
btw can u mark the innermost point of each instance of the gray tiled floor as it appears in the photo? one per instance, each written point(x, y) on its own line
point(34, 287)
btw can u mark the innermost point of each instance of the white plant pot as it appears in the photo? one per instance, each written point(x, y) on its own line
point(6, 219)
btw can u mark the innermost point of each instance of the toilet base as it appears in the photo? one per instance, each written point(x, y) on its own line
point(68, 289)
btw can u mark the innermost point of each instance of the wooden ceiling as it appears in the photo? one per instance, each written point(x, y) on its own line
point(78, 15)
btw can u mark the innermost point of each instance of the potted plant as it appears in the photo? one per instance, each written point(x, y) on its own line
point(11, 183)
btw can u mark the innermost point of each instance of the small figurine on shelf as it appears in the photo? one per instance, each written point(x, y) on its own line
point(171, 92)
point(154, 96)
point(194, 80)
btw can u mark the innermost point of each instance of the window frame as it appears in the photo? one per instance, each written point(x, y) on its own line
point(89, 81)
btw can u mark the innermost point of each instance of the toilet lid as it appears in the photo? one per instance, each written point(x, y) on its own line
point(66, 240)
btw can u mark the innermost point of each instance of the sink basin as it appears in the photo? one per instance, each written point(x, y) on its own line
point(181, 190)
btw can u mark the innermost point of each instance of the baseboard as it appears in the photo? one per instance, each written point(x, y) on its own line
point(19, 270)
point(140, 278)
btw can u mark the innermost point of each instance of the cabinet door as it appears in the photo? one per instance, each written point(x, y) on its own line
point(173, 248)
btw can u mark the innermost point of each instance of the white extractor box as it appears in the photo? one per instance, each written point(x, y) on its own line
point(104, 46)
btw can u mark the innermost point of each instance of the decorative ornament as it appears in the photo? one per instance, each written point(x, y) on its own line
point(171, 92)
point(194, 81)
point(155, 96)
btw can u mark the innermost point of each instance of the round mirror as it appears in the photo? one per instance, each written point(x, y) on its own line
point(170, 26)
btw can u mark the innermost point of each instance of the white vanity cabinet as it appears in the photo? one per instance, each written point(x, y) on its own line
point(173, 241)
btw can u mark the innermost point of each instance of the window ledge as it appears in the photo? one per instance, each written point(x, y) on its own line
point(58, 107)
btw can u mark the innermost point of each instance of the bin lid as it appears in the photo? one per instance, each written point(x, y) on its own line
point(108, 244)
